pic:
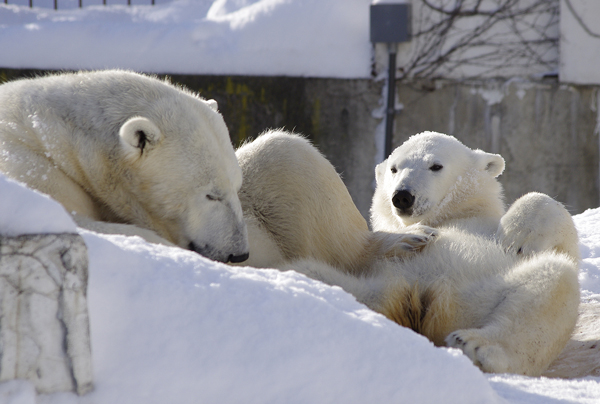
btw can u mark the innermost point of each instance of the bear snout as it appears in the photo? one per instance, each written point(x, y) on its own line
point(403, 200)
point(215, 255)
point(238, 258)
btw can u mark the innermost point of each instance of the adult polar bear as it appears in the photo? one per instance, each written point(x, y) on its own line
point(119, 147)
point(507, 312)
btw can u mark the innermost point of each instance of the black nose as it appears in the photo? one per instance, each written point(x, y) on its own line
point(238, 258)
point(403, 200)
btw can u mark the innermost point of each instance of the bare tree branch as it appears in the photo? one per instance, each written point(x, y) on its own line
point(489, 35)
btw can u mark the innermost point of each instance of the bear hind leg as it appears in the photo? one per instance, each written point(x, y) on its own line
point(531, 323)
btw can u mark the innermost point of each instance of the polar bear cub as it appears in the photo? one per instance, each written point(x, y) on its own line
point(509, 305)
point(127, 153)
point(500, 286)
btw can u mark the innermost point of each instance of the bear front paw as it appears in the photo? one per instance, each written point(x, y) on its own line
point(414, 239)
point(487, 355)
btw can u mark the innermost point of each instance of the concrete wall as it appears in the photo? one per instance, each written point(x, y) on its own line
point(336, 114)
point(544, 130)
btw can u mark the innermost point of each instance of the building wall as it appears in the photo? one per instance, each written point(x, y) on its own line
point(579, 41)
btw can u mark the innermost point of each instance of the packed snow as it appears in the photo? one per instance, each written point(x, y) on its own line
point(170, 326)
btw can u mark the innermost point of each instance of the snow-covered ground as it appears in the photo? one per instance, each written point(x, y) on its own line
point(169, 326)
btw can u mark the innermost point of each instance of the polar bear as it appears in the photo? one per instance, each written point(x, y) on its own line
point(297, 207)
point(509, 305)
point(435, 180)
point(127, 153)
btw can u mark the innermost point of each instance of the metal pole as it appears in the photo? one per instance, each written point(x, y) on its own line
point(391, 99)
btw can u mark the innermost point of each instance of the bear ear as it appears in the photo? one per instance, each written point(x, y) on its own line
point(380, 171)
point(138, 134)
point(492, 163)
point(213, 105)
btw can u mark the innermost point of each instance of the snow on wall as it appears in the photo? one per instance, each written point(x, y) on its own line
point(311, 38)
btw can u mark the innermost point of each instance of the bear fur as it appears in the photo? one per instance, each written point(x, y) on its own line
point(297, 207)
point(510, 309)
point(127, 153)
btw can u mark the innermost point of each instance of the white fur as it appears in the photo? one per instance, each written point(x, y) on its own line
point(297, 207)
point(119, 147)
point(507, 314)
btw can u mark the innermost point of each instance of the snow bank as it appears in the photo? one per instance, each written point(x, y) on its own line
point(244, 37)
point(171, 326)
point(24, 211)
point(588, 227)
point(168, 325)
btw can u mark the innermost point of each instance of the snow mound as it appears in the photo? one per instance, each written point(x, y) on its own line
point(25, 211)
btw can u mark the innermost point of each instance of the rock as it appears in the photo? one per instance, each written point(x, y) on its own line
point(44, 323)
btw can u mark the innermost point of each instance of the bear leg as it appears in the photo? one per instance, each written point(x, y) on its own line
point(532, 320)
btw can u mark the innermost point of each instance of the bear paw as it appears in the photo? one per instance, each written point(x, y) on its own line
point(399, 245)
point(535, 223)
point(488, 355)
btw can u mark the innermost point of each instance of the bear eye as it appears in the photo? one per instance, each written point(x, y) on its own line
point(212, 197)
point(436, 167)
point(394, 170)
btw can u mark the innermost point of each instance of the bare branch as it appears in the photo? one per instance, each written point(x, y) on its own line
point(488, 35)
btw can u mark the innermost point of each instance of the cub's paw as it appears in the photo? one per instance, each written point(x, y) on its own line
point(420, 230)
point(488, 355)
point(413, 239)
point(535, 223)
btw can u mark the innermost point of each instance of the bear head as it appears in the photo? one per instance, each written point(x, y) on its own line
point(180, 176)
point(433, 178)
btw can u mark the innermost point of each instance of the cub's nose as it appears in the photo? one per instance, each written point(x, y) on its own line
point(403, 200)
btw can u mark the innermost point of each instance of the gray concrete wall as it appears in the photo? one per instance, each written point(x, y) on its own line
point(544, 130)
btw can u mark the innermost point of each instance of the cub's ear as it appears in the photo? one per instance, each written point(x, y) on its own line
point(380, 171)
point(213, 105)
point(492, 163)
point(138, 134)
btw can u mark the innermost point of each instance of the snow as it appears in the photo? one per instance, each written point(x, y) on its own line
point(313, 38)
point(168, 325)
point(31, 212)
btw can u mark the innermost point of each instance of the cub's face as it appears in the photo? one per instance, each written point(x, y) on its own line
point(429, 171)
